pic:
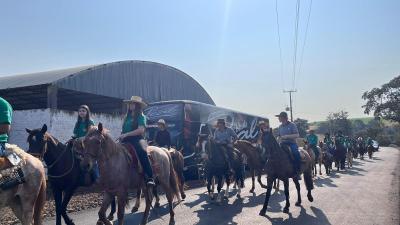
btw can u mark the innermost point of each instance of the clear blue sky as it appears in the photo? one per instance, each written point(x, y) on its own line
point(230, 47)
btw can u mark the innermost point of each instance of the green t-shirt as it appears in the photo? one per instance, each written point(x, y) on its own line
point(5, 117)
point(312, 139)
point(128, 123)
point(80, 128)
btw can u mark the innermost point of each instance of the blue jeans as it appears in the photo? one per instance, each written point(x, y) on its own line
point(2, 149)
point(296, 154)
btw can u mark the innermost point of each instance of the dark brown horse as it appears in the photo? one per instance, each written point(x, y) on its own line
point(254, 161)
point(118, 174)
point(279, 166)
point(64, 172)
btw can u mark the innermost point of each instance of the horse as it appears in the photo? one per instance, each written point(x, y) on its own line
point(327, 158)
point(28, 198)
point(217, 166)
point(370, 150)
point(64, 172)
point(340, 156)
point(118, 174)
point(315, 159)
point(254, 161)
point(349, 157)
point(279, 166)
point(361, 148)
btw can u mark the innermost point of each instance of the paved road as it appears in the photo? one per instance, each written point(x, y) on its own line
point(366, 194)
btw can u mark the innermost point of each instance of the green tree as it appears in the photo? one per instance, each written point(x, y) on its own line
point(384, 102)
point(338, 121)
point(302, 126)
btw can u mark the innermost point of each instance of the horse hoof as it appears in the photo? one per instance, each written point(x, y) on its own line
point(225, 197)
point(238, 196)
point(298, 204)
point(251, 190)
point(157, 205)
point(286, 210)
point(134, 209)
point(310, 198)
point(183, 196)
point(99, 222)
point(262, 212)
point(171, 221)
point(110, 217)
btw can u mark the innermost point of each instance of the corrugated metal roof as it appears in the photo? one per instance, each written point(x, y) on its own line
point(33, 79)
point(153, 81)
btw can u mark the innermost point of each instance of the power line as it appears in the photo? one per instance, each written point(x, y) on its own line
point(296, 35)
point(305, 37)
point(279, 43)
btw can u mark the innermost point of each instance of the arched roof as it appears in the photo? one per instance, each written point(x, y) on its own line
point(153, 81)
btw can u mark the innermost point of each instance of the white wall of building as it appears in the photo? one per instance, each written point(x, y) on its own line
point(60, 124)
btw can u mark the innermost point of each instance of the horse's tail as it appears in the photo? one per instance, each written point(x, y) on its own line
point(39, 204)
point(173, 179)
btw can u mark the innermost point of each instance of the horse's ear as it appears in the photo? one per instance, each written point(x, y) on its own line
point(100, 127)
point(44, 129)
point(28, 131)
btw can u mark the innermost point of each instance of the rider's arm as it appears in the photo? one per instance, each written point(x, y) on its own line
point(5, 117)
point(140, 130)
point(5, 128)
point(294, 133)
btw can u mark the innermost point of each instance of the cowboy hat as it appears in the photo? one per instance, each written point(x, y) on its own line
point(136, 99)
point(161, 121)
point(282, 114)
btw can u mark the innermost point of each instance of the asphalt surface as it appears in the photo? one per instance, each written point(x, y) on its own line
point(366, 194)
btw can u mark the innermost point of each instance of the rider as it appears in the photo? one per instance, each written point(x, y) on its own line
point(262, 139)
point(133, 131)
point(287, 133)
point(83, 124)
point(329, 143)
point(225, 136)
point(163, 137)
point(312, 140)
point(5, 127)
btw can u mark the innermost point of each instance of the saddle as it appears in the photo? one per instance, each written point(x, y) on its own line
point(11, 174)
point(133, 157)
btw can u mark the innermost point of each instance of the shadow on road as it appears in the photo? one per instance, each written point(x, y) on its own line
point(303, 218)
point(326, 181)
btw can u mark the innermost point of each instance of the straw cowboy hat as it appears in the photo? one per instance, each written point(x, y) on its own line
point(162, 122)
point(136, 99)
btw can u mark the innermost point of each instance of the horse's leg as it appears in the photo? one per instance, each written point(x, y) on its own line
point(58, 202)
point(27, 208)
point(135, 208)
point(170, 198)
point(110, 216)
point(228, 183)
point(259, 174)
point(108, 198)
point(320, 162)
point(155, 193)
point(253, 180)
point(219, 188)
point(67, 197)
point(267, 195)
point(286, 189)
point(122, 199)
point(148, 200)
point(297, 184)
point(209, 190)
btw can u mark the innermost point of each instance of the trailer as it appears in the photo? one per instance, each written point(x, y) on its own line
point(187, 119)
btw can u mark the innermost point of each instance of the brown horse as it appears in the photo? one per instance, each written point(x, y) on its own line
point(316, 160)
point(26, 199)
point(254, 161)
point(279, 166)
point(117, 173)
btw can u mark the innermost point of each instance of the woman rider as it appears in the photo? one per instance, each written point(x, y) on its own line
point(83, 124)
point(133, 132)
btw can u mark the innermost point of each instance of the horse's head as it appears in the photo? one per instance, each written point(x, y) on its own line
point(37, 140)
point(91, 146)
point(203, 140)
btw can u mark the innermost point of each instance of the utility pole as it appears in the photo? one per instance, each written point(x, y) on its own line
point(291, 105)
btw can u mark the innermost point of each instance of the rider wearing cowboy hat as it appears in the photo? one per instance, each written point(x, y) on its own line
point(287, 133)
point(225, 136)
point(262, 139)
point(163, 137)
point(133, 132)
point(312, 140)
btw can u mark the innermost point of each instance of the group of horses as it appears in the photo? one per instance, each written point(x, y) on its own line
point(68, 165)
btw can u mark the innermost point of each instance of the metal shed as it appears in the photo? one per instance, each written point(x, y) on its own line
point(102, 87)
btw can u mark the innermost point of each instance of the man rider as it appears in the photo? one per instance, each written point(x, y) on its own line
point(312, 141)
point(262, 139)
point(329, 143)
point(287, 133)
point(225, 136)
point(5, 126)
